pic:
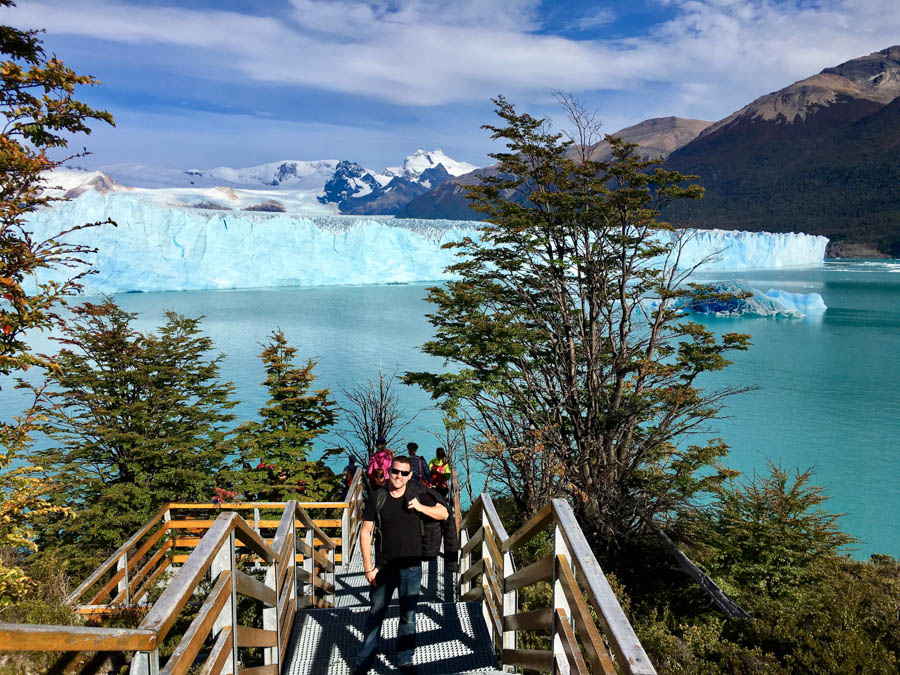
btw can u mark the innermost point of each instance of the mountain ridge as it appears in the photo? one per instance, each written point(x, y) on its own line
point(820, 156)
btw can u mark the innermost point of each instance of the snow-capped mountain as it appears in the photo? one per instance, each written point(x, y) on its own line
point(421, 161)
point(304, 174)
point(312, 186)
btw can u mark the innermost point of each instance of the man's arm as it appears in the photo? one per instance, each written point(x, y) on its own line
point(436, 512)
point(365, 547)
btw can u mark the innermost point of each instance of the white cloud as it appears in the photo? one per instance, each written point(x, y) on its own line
point(713, 56)
point(594, 19)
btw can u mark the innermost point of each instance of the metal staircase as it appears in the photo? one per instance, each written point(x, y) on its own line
point(451, 636)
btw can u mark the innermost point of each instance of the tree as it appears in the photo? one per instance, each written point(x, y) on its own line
point(769, 535)
point(561, 329)
point(141, 421)
point(281, 442)
point(372, 411)
point(39, 110)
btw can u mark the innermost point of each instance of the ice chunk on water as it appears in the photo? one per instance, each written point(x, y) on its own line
point(805, 303)
point(773, 303)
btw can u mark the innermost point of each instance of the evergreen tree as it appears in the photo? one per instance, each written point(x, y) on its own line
point(769, 536)
point(276, 450)
point(39, 110)
point(140, 418)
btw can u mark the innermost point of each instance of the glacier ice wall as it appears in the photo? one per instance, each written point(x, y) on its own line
point(159, 247)
point(730, 250)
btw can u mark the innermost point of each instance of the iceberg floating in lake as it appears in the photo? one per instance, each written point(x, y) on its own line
point(805, 303)
point(160, 247)
point(773, 303)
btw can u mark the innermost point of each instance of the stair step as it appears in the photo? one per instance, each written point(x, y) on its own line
point(451, 638)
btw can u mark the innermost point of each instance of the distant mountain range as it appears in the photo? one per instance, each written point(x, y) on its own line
point(339, 186)
point(821, 156)
point(658, 138)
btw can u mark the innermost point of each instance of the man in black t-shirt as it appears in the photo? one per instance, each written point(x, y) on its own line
point(398, 560)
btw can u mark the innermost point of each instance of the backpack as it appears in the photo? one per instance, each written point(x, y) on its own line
point(430, 529)
point(419, 469)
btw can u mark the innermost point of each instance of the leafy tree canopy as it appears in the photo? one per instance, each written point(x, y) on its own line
point(562, 333)
point(39, 112)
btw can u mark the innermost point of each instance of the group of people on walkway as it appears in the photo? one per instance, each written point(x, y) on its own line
point(405, 520)
point(435, 474)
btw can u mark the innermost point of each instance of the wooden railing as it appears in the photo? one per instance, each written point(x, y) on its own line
point(231, 553)
point(352, 515)
point(167, 539)
point(578, 588)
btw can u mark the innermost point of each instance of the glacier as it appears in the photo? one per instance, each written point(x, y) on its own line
point(169, 247)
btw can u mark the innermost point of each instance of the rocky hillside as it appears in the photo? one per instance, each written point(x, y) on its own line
point(821, 156)
point(658, 137)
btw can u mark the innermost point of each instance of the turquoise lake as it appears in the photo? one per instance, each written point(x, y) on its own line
point(828, 387)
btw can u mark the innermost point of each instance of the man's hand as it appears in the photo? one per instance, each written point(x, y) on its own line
point(370, 575)
point(414, 504)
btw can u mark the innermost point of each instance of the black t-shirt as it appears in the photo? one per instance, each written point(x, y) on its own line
point(401, 535)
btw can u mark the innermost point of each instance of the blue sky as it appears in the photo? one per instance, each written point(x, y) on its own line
point(203, 83)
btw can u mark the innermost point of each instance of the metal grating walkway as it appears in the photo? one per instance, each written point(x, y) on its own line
point(451, 637)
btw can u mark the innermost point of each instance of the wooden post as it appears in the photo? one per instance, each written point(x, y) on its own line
point(256, 519)
point(272, 655)
point(331, 577)
point(145, 663)
point(464, 562)
point(510, 602)
point(485, 584)
point(560, 661)
point(224, 560)
point(122, 564)
point(292, 561)
point(309, 565)
point(345, 534)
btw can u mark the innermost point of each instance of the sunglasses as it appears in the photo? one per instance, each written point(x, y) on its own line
point(398, 472)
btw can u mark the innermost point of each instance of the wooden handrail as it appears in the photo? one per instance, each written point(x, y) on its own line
point(593, 642)
point(284, 528)
point(183, 657)
point(272, 506)
point(487, 505)
point(351, 487)
point(569, 643)
point(17, 636)
point(532, 526)
point(308, 522)
point(219, 653)
point(474, 512)
point(114, 558)
point(629, 653)
point(165, 610)
point(569, 617)
point(278, 593)
point(251, 539)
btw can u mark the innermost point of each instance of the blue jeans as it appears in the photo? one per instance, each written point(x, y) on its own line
point(408, 582)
